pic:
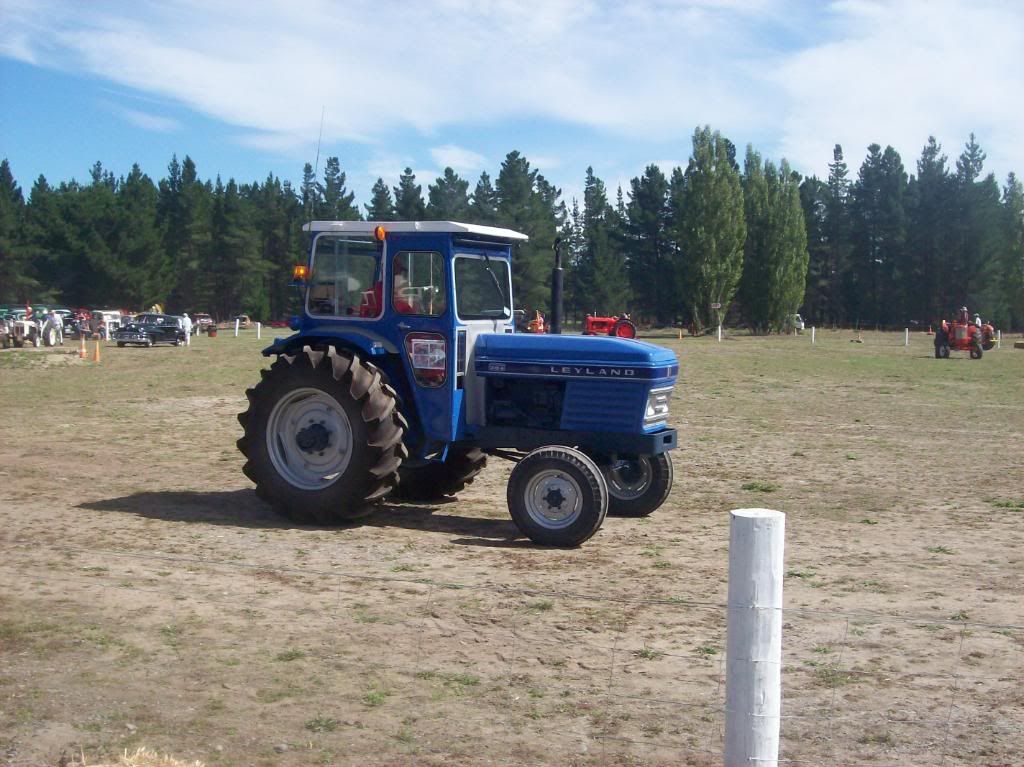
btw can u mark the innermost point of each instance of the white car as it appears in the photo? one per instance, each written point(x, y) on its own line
point(798, 323)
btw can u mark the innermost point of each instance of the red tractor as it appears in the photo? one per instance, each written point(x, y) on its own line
point(620, 327)
point(964, 336)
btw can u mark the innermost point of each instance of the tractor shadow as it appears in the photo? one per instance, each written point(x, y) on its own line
point(242, 509)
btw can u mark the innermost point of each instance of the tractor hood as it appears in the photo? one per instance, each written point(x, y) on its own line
point(575, 357)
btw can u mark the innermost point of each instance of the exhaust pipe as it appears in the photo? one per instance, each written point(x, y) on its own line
point(557, 279)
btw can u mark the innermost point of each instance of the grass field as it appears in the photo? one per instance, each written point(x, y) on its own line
point(148, 598)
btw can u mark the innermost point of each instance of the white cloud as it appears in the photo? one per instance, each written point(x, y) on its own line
point(150, 122)
point(459, 159)
point(901, 71)
point(792, 77)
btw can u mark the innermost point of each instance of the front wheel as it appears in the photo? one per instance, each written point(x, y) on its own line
point(976, 351)
point(638, 484)
point(557, 496)
point(323, 438)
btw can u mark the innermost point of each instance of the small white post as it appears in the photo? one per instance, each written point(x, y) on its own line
point(188, 338)
point(906, 336)
point(812, 334)
point(719, 334)
point(999, 339)
point(236, 328)
point(753, 666)
point(259, 330)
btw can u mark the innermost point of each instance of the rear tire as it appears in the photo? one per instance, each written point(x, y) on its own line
point(637, 485)
point(433, 481)
point(557, 496)
point(623, 329)
point(323, 437)
point(976, 351)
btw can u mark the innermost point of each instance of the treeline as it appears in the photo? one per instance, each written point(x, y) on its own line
point(707, 243)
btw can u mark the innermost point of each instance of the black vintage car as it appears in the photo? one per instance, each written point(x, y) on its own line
point(150, 329)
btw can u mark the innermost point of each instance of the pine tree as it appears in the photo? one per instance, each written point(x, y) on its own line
point(930, 237)
point(310, 191)
point(709, 228)
point(814, 195)
point(144, 275)
point(603, 283)
point(1013, 258)
point(837, 234)
point(646, 237)
point(409, 205)
point(879, 236)
point(483, 203)
point(15, 282)
point(448, 198)
point(337, 203)
point(381, 207)
point(527, 203)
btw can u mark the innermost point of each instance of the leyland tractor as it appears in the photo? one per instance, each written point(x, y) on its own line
point(405, 372)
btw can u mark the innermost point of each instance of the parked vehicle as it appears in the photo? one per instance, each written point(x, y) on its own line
point(406, 372)
point(110, 320)
point(151, 329)
point(243, 320)
point(200, 322)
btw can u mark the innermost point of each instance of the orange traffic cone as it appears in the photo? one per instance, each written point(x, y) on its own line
point(81, 350)
point(96, 352)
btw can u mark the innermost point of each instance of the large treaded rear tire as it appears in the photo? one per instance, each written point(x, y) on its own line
point(433, 481)
point(365, 409)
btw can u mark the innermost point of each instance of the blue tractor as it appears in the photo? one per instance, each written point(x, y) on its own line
point(405, 372)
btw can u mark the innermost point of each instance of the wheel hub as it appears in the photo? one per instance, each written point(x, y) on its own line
point(313, 439)
point(553, 499)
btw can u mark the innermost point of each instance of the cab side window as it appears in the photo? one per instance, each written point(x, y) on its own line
point(418, 283)
point(345, 273)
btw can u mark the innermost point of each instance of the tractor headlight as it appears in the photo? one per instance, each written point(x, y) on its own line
point(657, 406)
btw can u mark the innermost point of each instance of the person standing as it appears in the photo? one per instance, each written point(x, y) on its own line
point(57, 323)
point(188, 328)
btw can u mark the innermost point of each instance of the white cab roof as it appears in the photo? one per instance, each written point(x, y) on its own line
point(367, 227)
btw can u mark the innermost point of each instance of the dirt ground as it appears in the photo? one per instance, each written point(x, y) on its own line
point(148, 598)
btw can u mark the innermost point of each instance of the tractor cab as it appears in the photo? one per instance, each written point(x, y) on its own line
point(405, 372)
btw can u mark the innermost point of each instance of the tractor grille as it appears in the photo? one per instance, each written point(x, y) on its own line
point(603, 406)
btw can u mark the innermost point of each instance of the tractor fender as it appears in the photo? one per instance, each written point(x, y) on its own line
point(361, 341)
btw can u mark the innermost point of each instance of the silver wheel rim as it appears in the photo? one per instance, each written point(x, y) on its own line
point(553, 499)
point(629, 479)
point(309, 439)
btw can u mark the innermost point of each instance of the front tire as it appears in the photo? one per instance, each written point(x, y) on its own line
point(976, 351)
point(434, 481)
point(637, 485)
point(323, 437)
point(557, 496)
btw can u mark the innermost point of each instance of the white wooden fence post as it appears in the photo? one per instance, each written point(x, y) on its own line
point(812, 334)
point(259, 330)
point(999, 339)
point(906, 336)
point(753, 664)
point(719, 334)
point(236, 328)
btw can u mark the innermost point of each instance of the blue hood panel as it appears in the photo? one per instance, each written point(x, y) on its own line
point(519, 354)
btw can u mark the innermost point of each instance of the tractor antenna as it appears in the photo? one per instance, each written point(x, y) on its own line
point(316, 163)
point(557, 279)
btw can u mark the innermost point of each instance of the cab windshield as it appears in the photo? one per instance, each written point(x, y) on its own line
point(345, 277)
point(483, 289)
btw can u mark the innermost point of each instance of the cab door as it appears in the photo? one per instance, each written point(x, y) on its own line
point(419, 302)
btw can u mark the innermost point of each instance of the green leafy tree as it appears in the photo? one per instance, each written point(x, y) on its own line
point(709, 228)
point(409, 205)
point(448, 198)
point(382, 206)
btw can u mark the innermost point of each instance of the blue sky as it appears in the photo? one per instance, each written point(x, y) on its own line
point(241, 86)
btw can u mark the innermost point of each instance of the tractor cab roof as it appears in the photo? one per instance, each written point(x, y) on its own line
point(452, 227)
